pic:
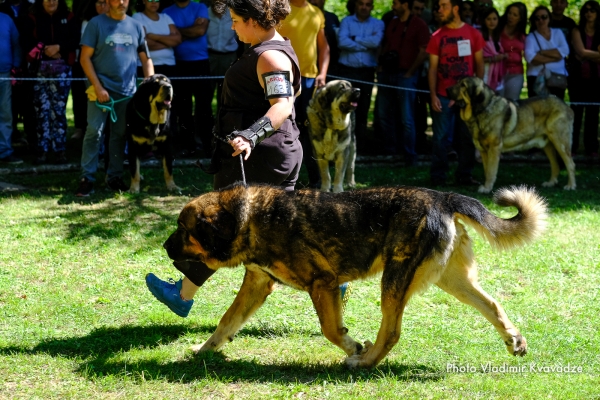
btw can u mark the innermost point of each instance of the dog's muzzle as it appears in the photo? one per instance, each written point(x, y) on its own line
point(352, 102)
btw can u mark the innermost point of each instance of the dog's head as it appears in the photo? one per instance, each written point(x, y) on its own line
point(153, 97)
point(471, 95)
point(338, 98)
point(208, 226)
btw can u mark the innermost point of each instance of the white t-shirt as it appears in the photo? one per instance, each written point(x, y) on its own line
point(557, 41)
point(160, 27)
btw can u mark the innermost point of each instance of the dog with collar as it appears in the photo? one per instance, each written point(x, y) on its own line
point(148, 128)
point(499, 125)
point(409, 237)
point(332, 133)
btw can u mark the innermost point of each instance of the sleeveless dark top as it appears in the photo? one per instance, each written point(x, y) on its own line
point(277, 159)
point(243, 99)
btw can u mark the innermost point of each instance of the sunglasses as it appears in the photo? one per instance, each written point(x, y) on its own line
point(589, 10)
point(541, 17)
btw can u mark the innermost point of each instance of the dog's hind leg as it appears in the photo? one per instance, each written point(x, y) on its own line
point(328, 304)
point(460, 280)
point(256, 287)
point(565, 154)
point(134, 170)
point(350, 162)
point(550, 151)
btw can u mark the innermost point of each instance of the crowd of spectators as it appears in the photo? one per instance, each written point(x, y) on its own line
point(415, 51)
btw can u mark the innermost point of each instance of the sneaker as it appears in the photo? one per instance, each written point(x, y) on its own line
point(116, 183)
point(345, 289)
point(168, 294)
point(12, 159)
point(86, 187)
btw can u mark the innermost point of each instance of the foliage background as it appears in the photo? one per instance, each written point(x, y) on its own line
point(381, 7)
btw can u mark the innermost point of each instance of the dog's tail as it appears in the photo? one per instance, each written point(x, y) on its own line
point(504, 234)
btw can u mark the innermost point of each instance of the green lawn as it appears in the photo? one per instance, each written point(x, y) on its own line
point(76, 320)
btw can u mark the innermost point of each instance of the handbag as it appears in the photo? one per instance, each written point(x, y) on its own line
point(554, 80)
point(52, 68)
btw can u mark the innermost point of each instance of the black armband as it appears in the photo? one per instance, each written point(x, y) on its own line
point(259, 131)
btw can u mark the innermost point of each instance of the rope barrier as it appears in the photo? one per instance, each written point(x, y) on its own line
point(223, 77)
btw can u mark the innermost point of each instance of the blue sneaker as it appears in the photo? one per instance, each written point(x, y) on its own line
point(168, 294)
point(345, 290)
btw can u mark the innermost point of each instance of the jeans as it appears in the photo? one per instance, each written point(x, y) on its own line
point(92, 140)
point(5, 116)
point(366, 74)
point(442, 123)
point(396, 111)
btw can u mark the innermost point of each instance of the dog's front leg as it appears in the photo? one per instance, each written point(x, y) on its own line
point(328, 304)
point(256, 287)
point(134, 170)
point(167, 161)
point(325, 177)
point(340, 170)
point(350, 161)
point(490, 158)
point(554, 167)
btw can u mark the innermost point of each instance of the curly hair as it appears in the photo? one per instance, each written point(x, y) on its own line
point(267, 13)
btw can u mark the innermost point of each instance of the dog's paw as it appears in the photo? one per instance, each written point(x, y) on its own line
point(570, 187)
point(325, 188)
point(338, 189)
point(173, 188)
point(517, 345)
point(360, 360)
point(198, 348)
point(550, 183)
point(134, 189)
point(483, 189)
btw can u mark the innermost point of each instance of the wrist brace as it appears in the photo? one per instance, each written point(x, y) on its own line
point(259, 131)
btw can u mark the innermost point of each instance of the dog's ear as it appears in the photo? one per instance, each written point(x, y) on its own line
point(219, 225)
point(478, 92)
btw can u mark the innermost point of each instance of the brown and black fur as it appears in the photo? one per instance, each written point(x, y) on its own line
point(148, 128)
point(499, 125)
point(331, 132)
point(315, 241)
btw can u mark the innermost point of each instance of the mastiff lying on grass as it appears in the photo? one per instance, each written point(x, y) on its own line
point(314, 241)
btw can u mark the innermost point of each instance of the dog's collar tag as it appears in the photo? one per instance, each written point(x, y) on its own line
point(277, 84)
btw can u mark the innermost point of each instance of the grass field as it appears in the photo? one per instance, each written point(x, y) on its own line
point(76, 320)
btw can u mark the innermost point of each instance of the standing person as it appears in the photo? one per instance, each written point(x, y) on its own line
point(194, 127)
point(455, 51)
point(585, 70)
point(359, 39)
point(110, 47)
point(269, 142)
point(83, 14)
point(560, 20)
point(222, 48)
point(332, 27)
point(161, 35)
point(403, 53)
point(467, 12)
point(545, 49)
point(513, 24)
point(305, 27)
point(9, 58)
point(52, 24)
point(493, 53)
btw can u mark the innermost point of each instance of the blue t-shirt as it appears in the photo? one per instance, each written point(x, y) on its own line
point(190, 49)
point(9, 44)
point(115, 45)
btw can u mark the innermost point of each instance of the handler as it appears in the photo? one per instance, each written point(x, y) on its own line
point(258, 95)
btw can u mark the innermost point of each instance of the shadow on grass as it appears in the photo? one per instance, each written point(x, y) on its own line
point(98, 349)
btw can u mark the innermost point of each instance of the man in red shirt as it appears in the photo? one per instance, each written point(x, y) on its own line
point(455, 51)
point(404, 43)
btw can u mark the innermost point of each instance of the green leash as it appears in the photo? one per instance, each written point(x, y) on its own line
point(110, 106)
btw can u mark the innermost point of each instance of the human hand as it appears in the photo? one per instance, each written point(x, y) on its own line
point(320, 80)
point(51, 50)
point(241, 145)
point(436, 104)
point(101, 94)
